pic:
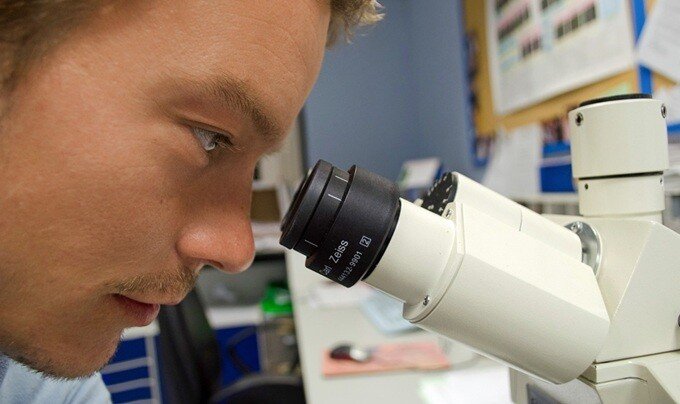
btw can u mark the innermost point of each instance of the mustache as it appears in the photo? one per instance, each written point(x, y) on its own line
point(177, 281)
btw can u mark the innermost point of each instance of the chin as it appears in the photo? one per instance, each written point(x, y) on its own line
point(76, 363)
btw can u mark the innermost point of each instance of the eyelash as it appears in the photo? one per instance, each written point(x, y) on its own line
point(211, 140)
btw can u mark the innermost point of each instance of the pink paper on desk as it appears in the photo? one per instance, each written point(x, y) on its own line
point(390, 357)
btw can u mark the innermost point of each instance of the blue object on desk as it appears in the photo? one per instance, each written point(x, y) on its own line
point(556, 175)
point(555, 168)
point(385, 313)
point(674, 129)
point(555, 149)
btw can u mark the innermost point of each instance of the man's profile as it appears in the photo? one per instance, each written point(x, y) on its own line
point(129, 132)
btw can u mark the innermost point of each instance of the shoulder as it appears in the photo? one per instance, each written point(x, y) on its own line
point(21, 385)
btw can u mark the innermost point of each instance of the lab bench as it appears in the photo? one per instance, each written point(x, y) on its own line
point(320, 328)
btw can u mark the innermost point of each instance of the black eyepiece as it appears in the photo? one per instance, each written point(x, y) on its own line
point(342, 221)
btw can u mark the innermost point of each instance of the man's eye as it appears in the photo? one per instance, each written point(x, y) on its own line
point(211, 140)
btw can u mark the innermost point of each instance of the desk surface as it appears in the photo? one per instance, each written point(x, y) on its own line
point(320, 328)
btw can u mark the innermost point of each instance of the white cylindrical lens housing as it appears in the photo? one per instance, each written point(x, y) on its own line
point(619, 150)
point(420, 247)
point(620, 137)
point(511, 286)
point(515, 299)
point(638, 196)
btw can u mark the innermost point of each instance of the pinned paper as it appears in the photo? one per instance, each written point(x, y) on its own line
point(540, 48)
point(514, 167)
point(659, 48)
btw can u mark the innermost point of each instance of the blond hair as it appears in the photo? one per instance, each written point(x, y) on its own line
point(348, 14)
point(30, 28)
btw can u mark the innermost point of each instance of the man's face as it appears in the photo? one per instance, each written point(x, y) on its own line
point(109, 201)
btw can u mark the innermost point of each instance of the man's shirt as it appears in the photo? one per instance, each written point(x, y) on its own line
point(21, 385)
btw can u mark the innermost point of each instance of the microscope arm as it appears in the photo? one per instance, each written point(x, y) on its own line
point(498, 278)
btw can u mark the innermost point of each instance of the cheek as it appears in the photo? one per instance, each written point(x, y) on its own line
point(133, 203)
point(105, 200)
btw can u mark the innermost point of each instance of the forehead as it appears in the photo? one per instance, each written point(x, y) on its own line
point(273, 47)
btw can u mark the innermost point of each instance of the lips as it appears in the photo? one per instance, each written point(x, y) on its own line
point(157, 299)
point(140, 313)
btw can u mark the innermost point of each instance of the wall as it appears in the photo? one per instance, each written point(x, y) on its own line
point(441, 89)
point(361, 111)
point(397, 92)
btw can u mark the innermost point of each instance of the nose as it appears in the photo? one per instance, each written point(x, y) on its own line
point(225, 244)
point(217, 229)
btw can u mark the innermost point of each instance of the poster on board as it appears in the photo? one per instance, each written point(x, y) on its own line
point(542, 48)
point(658, 48)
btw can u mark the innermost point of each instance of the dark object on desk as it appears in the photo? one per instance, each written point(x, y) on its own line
point(262, 389)
point(350, 352)
point(190, 363)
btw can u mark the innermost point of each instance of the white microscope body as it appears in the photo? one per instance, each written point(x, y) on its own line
point(620, 150)
point(583, 309)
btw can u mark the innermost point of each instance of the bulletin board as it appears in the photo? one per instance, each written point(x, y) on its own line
point(658, 80)
point(634, 79)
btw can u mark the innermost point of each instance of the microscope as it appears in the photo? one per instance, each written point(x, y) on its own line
point(582, 309)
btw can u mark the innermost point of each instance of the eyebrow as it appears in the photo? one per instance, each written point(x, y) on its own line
point(237, 95)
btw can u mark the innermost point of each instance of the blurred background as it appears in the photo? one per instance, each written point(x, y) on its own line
point(478, 87)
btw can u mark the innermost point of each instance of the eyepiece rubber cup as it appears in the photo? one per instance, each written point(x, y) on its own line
point(304, 203)
point(342, 221)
